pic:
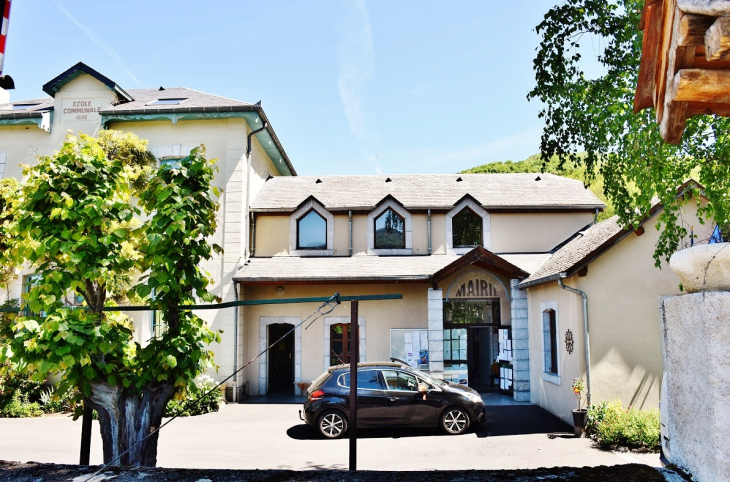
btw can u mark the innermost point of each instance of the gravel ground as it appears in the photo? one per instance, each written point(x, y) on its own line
point(36, 472)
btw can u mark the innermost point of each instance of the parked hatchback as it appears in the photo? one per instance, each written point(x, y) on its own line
point(390, 395)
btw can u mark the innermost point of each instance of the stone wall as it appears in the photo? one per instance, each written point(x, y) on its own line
point(696, 332)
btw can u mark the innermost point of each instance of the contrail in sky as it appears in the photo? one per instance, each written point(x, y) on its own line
point(99, 42)
point(357, 63)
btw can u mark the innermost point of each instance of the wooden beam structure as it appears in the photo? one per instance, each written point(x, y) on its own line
point(685, 62)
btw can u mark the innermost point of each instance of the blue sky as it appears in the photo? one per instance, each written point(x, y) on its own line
point(351, 87)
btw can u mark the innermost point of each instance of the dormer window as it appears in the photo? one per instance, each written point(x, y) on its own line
point(390, 229)
point(171, 101)
point(467, 226)
point(467, 229)
point(312, 231)
point(390, 232)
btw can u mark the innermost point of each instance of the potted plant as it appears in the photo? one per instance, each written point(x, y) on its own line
point(580, 416)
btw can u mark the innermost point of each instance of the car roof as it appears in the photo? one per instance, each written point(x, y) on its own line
point(369, 364)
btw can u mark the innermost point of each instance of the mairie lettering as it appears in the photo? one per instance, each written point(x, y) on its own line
point(476, 289)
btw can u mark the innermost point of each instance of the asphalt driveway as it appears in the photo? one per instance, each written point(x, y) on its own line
point(270, 436)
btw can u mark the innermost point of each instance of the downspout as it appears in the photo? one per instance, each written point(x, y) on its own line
point(429, 231)
point(350, 242)
point(585, 332)
point(249, 148)
point(253, 234)
point(235, 345)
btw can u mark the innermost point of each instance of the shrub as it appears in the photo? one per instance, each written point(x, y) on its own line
point(19, 407)
point(52, 402)
point(188, 404)
point(611, 424)
point(18, 396)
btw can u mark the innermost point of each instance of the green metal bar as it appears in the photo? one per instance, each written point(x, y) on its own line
point(231, 304)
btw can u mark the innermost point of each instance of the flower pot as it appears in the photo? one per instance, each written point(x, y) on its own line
point(705, 267)
point(580, 418)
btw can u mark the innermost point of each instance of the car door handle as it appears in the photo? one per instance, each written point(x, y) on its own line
point(392, 399)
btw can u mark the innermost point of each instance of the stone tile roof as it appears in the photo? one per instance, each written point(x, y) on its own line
point(529, 262)
point(434, 191)
point(575, 251)
point(359, 268)
point(194, 100)
point(44, 105)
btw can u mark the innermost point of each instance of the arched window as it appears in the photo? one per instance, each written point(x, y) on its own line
point(312, 231)
point(390, 230)
point(466, 229)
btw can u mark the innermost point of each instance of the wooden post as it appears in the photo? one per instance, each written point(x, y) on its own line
point(86, 435)
point(354, 358)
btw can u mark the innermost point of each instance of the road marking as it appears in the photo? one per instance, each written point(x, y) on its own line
point(629, 458)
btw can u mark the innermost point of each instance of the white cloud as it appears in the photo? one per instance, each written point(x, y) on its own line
point(356, 67)
point(99, 42)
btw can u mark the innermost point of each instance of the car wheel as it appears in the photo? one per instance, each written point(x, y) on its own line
point(454, 421)
point(332, 424)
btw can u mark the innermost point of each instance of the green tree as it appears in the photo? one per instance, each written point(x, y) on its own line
point(595, 116)
point(9, 190)
point(75, 224)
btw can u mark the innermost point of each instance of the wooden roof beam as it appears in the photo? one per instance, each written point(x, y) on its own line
point(717, 40)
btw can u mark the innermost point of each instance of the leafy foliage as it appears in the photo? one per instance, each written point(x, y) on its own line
point(53, 401)
point(20, 406)
point(9, 190)
point(578, 388)
point(595, 116)
point(609, 424)
point(72, 224)
point(182, 215)
point(75, 224)
point(196, 402)
point(570, 169)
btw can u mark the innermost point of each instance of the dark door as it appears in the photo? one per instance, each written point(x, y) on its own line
point(404, 405)
point(281, 359)
point(480, 357)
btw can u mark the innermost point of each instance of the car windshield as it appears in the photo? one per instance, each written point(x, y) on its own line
point(429, 378)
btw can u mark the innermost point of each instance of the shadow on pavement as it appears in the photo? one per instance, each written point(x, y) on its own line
point(521, 420)
point(500, 421)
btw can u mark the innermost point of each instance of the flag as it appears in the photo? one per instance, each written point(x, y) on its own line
point(716, 236)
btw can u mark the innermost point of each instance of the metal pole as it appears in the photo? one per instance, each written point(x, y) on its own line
point(86, 435)
point(354, 358)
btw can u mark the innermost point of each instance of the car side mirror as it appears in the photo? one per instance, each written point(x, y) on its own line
point(422, 388)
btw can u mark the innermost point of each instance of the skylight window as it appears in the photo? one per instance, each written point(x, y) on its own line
point(23, 106)
point(167, 101)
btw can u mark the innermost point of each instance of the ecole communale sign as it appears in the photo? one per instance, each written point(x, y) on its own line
point(75, 110)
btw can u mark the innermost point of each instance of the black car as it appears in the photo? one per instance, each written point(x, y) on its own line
point(390, 394)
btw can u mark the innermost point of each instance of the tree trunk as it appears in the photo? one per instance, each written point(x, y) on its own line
point(126, 418)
